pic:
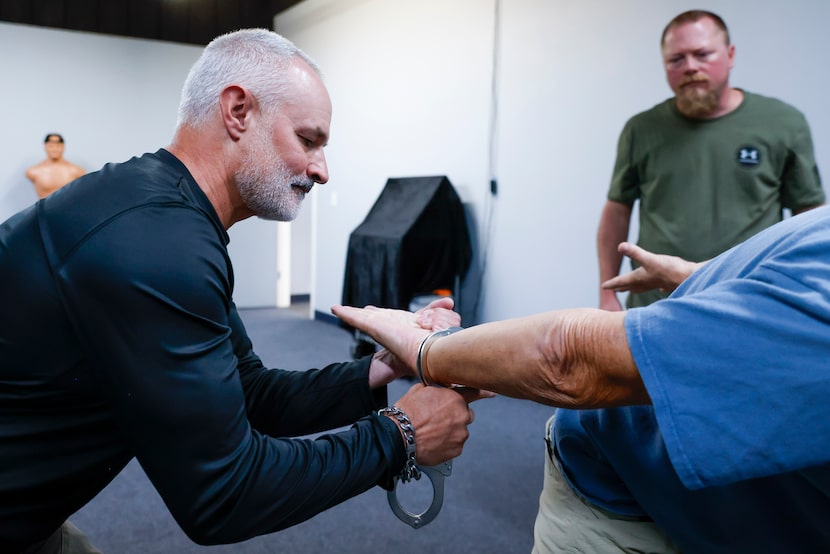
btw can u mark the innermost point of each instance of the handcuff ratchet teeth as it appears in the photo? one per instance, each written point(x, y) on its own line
point(436, 475)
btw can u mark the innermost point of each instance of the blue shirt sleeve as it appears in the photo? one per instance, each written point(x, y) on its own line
point(736, 361)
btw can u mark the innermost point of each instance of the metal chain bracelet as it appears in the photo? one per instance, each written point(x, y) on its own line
point(410, 469)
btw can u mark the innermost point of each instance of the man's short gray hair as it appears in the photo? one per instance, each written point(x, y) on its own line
point(251, 58)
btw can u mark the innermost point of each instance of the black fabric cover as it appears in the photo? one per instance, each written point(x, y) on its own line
point(414, 240)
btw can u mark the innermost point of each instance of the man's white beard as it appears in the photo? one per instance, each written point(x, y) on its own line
point(266, 188)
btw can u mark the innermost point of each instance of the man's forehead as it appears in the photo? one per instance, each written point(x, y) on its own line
point(310, 107)
point(689, 32)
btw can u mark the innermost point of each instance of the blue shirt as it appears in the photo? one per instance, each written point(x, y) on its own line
point(733, 455)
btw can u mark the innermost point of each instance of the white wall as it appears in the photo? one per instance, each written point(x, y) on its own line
point(410, 84)
point(113, 98)
point(405, 104)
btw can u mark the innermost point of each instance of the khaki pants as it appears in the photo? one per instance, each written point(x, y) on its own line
point(68, 539)
point(567, 523)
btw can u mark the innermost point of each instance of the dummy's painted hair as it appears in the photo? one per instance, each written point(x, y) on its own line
point(255, 59)
point(693, 16)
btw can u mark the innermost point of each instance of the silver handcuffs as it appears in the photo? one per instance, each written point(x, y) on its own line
point(436, 476)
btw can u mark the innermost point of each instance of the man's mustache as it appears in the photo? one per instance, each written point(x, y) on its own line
point(694, 79)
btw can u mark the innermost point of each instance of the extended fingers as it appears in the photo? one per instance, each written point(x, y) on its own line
point(438, 315)
point(445, 302)
point(471, 394)
point(349, 314)
point(617, 284)
point(438, 320)
point(622, 283)
point(639, 255)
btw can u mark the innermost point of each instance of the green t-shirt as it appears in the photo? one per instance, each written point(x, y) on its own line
point(705, 185)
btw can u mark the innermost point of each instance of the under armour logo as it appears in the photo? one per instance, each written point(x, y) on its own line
point(749, 155)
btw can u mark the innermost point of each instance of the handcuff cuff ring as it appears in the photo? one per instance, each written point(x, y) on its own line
point(435, 474)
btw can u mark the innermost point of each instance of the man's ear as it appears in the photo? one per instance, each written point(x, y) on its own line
point(236, 105)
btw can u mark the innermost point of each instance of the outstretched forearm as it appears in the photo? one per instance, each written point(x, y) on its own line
point(570, 358)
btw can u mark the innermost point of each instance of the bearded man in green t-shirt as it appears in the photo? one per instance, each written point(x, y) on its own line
point(711, 166)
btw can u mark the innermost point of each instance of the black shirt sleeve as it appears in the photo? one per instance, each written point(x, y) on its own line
point(311, 401)
point(195, 405)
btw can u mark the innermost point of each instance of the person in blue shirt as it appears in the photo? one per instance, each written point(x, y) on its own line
point(697, 424)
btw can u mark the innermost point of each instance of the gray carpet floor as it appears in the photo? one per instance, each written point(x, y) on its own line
point(490, 500)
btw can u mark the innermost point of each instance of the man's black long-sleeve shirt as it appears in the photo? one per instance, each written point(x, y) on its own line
point(119, 338)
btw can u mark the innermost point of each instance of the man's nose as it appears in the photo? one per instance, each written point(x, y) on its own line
point(318, 171)
point(690, 64)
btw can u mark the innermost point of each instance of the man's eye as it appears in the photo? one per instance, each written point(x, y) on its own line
point(306, 142)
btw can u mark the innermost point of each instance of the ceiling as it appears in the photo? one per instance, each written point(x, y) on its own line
point(187, 21)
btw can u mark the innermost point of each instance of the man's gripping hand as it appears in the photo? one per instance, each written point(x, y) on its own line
point(440, 417)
